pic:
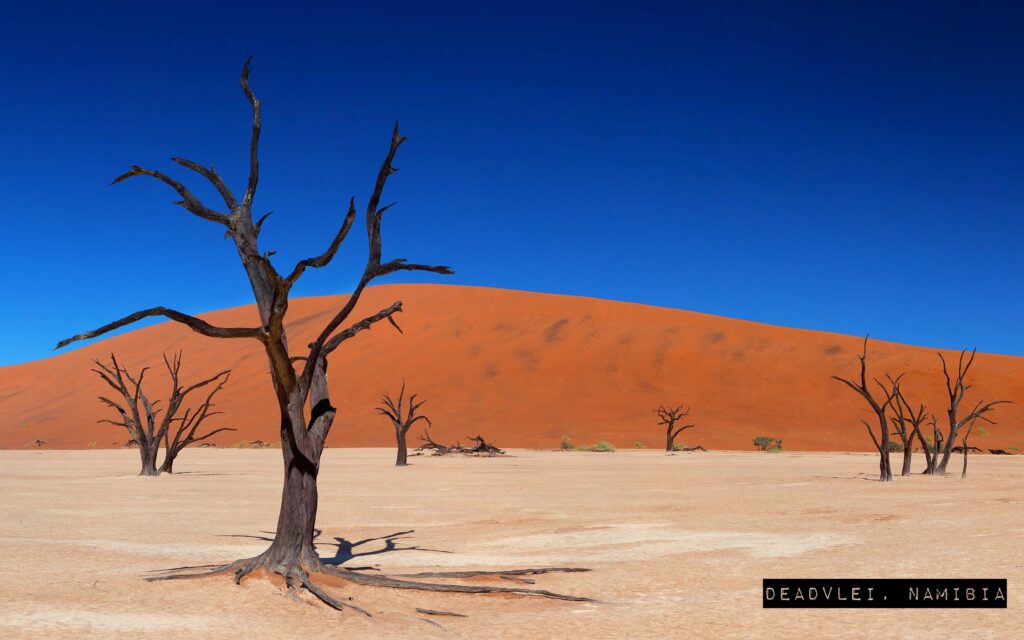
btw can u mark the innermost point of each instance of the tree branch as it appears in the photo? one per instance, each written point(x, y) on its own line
point(188, 199)
point(214, 178)
point(254, 143)
point(325, 258)
point(365, 323)
point(194, 323)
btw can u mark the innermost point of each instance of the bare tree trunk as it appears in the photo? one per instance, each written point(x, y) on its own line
point(670, 444)
point(907, 453)
point(403, 452)
point(168, 464)
point(292, 548)
point(148, 451)
point(884, 464)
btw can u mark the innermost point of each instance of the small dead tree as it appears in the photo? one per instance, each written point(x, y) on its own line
point(484, 448)
point(402, 422)
point(880, 407)
point(429, 444)
point(143, 420)
point(966, 447)
point(956, 390)
point(188, 427)
point(669, 416)
point(907, 424)
point(299, 380)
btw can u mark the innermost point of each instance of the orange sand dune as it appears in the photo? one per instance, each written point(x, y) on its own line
point(523, 369)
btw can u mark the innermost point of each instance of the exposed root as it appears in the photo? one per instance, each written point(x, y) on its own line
point(300, 578)
point(177, 573)
point(519, 580)
point(432, 612)
point(297, 577)
point(395, 583)
point(474, 574)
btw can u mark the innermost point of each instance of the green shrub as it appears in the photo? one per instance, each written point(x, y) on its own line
point(639, 444)
point(678, 446)
point(767, 443)
point(895, 446)
point(566, 444)
point(604, 446)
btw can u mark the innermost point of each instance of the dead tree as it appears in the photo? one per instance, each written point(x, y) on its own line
point(429, 444)
point(669, 416)
point(188, 426)
point(956, 390)
point(966, 447)
point(907, 424)
point(299, 380)
point(143, 419)
point(931, 450)
point(402, 422)
point(484, 448)
point(880, 407)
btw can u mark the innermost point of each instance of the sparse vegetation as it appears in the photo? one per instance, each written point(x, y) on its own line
point(767, 443)
point(639, 444)
point(566, 444)
point(602, 447)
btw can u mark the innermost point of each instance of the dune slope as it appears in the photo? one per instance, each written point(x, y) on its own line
point(523, 369)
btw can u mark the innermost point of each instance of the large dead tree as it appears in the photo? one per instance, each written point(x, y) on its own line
point(150, 426)
point(402, 422)
point(299, 379)
point(907, 426)
point(670, 416)
point(879, 406)
point(956, 390)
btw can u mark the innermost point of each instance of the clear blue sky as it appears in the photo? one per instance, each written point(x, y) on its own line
point(849, 167)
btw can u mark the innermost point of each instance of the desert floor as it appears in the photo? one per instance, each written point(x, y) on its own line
point(678, 543)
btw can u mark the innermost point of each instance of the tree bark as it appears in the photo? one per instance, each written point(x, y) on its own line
point(292, 547)
point(907, 453)
point(168, 464)
point(148, 452)
point(403, 452)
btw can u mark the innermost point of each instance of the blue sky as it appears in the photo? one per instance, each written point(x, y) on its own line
point(852, 167)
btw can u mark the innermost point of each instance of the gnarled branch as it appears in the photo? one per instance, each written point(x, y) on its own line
point(192, 322)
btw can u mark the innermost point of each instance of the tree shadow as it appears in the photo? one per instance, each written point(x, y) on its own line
point(345, 550)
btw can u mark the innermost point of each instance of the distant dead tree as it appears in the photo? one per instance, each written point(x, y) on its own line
point(143, 420)
point(188, 427)
point(967, 447)
point(956, 390)
point(880, 407)
point(907, 424)
point(482, 448)
point(402, 422)
point(670, 416)
point(299, 380)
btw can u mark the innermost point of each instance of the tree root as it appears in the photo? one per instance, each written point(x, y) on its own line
point(297, 577)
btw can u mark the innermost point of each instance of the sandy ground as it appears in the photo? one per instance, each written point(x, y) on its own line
point(678, 544)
